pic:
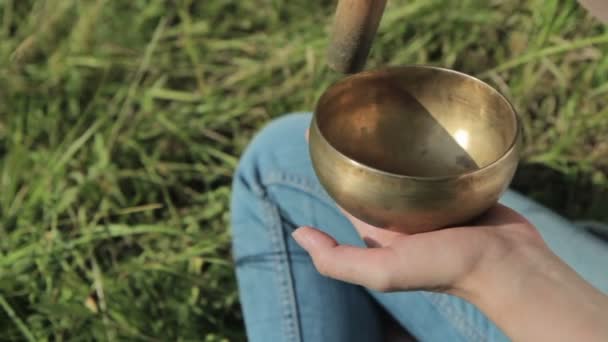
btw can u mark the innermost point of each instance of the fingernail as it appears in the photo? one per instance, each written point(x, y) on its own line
point(302, 238)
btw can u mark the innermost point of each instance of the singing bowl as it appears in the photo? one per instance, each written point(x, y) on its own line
point(414, 148)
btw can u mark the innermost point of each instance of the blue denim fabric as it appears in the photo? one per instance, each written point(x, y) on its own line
point(285, 299)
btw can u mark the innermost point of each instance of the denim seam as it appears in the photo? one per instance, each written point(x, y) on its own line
point(284, 275)
point(249, 259)
point(299, 183)
point(458, 320)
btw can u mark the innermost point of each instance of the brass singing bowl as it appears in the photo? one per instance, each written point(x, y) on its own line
point(414, 148)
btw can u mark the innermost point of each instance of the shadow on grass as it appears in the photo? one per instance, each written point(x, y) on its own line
point(573, 195)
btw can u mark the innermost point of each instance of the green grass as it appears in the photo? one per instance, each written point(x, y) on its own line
point(121, 123)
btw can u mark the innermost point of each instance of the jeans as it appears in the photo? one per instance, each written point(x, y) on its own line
point(285, 299)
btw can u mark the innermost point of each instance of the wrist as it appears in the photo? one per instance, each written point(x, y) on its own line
point(504, 276)
point(532, 295)
point(509, 261)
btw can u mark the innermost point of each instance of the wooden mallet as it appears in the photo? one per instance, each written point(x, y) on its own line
point(354, 28)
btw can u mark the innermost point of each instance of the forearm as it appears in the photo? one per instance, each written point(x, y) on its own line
point(534, 296)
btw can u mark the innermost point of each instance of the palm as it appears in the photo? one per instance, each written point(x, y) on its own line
point(438, 260)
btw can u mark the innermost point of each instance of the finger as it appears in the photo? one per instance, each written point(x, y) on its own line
point(369, 267)
point(307, 134)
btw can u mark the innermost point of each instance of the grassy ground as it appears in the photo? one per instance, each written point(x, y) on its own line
point(122, 121)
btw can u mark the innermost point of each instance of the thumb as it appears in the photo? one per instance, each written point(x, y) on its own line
point(369, 267)
point(313, 240)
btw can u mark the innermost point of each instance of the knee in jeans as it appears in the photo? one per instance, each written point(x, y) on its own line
point(259, 156)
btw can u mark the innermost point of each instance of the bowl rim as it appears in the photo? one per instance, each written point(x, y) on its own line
point(512, 146)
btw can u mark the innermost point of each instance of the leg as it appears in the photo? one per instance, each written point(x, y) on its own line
point(429, 316)
point(283, 297)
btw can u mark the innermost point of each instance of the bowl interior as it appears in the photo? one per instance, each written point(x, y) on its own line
point(417, 121)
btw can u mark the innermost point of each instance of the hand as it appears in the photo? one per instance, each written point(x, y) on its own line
point(446, 260)
point(500, 264)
